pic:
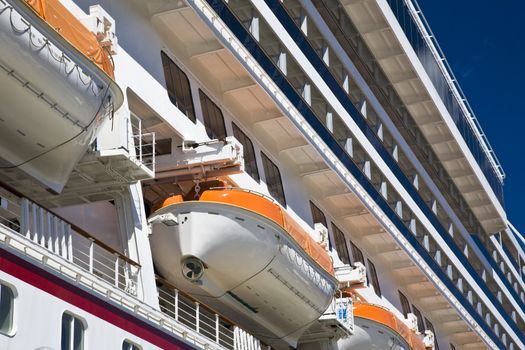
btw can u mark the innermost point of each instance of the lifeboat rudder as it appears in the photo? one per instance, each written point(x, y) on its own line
point(57, 92)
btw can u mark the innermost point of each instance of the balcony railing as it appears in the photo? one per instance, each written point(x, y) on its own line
point(66, 240)
point(182, 308)
point(415, 27)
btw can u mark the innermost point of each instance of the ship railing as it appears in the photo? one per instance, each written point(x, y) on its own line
point(184, 309)
point(55, 234)
point(143, 143)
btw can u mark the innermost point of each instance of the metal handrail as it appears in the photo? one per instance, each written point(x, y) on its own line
point(76, 228)
point(443, 64)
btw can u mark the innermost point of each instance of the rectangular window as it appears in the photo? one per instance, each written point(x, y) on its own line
point(373, 279)
point(318, 215)
point(357, 254)
point(430, 327)
point(405, 305)
point(72, 333)
point(250, 162)
point(178, 87)
point(7, 301)
point(420, 324)
point(273, 180)
point(128, 345)
point(340, 245)
point(213, 119)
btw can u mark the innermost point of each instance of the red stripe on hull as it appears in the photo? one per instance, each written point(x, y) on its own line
point(62, 289)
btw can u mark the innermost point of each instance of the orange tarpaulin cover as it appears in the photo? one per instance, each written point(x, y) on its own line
point(71, 29)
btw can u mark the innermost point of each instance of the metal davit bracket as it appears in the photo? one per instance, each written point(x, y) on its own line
point(196, 161)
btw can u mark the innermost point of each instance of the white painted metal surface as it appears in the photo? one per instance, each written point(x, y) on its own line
point(252, 271)
point(53, 104)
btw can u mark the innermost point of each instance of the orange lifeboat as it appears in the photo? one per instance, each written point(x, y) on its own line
point(240, 253)
point(57, 91)
point(378, 328)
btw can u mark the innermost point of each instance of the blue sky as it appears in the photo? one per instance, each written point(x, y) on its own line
point(484, 42)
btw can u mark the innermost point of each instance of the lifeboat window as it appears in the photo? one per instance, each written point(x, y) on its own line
point(7, 305)
point(357, 254)
point(213, 119)
point(73, 329)
point(420, 324)
point(340, 245)
point(405, 305)
point(128, 345)
point(430, 327)
point(373, 277)
point(178, 87)
point(273, 180)
point(250, 162)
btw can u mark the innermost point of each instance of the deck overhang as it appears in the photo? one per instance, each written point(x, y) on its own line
point(384, 36)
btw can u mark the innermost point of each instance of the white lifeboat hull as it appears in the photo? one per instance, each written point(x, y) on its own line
point(52, 99)
point(254, 273)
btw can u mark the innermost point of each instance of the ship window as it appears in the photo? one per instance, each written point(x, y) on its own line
point(420, 324)
point(213, 119)
point(357, 254)
point(73, 329)
point(430, 327)
point(128, 345)
point(7, 303)
point(373, 279)
point(273, 180)
point(405, 305)
point(340, 245)
point(178, 87)
point(318, 215)
point(250, 162)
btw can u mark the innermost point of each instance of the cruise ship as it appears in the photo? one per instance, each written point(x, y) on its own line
point(246, 175)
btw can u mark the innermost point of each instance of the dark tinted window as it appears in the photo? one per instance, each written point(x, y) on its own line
point(357, 254)
point(340, 245)
point(213, 119)
point(72, 337)
point(7, 298)
point(373, 277)
point(317, 215)
point(405, 305)
point(273, 180)
point(420, 324)
point(250, 162)
point(178, 87)
point(430, 327)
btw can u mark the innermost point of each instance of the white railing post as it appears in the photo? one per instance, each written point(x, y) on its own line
point(91, 246)
point(50, 228)
point(69, 241)
point(24, 224)
point(217, 324)
point(34, 226)
point(41, 230)
point(197, 328)
point(176, 304)
point(116, 270)
point(140, 139)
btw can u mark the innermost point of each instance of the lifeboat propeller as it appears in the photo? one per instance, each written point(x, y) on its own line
point(192, 269)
